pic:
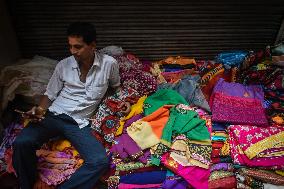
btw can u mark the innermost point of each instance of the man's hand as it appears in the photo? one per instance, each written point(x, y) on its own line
point(125, 106)
point(35, 114)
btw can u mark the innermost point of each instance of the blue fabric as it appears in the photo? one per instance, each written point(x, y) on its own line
point(189, 88)
point(219, 126)
point(153, 177)
point(231, 59)
point(35, 134)
point(172, 69)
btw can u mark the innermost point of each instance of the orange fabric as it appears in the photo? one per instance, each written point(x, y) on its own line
point(177, 60)
point(158, 120)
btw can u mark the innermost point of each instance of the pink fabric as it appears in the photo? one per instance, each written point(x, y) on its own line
point(243, 136)
point(194, 175)
point(130, 186)
point(238, 110)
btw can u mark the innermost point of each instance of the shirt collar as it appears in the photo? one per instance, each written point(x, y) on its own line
point(97, 61)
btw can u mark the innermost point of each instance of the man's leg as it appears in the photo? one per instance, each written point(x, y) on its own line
point(94, 155)
point(24, 149)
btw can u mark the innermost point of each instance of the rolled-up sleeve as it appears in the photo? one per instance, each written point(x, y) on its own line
point(55, 83)
point(114, 79)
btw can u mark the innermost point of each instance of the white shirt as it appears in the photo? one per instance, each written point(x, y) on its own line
point(77, 99)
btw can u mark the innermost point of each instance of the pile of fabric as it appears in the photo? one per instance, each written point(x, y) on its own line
point(193, 124)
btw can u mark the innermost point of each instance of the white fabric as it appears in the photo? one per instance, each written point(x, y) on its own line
point(77, 99)
point(271, 186)
point(25, 77)
point(112, 50)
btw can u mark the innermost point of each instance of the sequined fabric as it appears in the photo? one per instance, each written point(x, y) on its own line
point(263, 175)
point(237, 110)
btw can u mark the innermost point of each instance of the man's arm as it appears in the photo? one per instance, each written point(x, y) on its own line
point(44, 103)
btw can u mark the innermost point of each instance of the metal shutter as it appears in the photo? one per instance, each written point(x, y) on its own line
point(152, 29)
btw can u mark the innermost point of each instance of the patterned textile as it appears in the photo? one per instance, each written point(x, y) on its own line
point(183, 120)
point(238, 104)
point(237, 110)
point(195, 176)
point(222, 166)
point(224, 183)
point(10, 134)
point(188, 152)
point(256, 146)
point(173, 77)
point(210, 78)
point(229, 59)
point(106, 119)
point(226, 159)
point(249, 181)
point(57, 166)
point(263, 175)
point(136, 109)
point(134, 74)
point(225, 150)
point(215, 175)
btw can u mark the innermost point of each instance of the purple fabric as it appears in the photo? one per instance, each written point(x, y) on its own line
point(125, 146)
point(221, 166)
point(131, 120)
point(175, 183)
point(239, 90)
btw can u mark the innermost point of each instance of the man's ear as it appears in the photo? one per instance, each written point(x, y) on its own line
point(94, 45)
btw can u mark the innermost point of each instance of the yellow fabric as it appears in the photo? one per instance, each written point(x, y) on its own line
point(279, 172)
point(225, 150)
point(26, 122)
point(135, 110)
point(268, 142)
point(142, 133)
point(220, 134)
point(60, 145)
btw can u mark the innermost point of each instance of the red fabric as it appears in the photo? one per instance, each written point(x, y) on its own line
point(217, 144)
point(223, 183)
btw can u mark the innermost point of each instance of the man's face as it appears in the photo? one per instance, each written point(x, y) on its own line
point(80, 49)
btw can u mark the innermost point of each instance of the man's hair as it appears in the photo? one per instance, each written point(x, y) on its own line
point(85, 30)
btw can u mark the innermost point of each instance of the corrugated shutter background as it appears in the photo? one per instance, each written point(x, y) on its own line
point(152, 29)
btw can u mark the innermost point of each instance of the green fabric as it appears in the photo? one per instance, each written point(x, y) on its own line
point(160, 98)
point(185, 122)
point(182, 121)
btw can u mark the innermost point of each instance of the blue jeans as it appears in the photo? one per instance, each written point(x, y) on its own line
point(35, 134)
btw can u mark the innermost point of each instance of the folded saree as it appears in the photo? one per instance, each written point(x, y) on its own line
point(255, 146)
